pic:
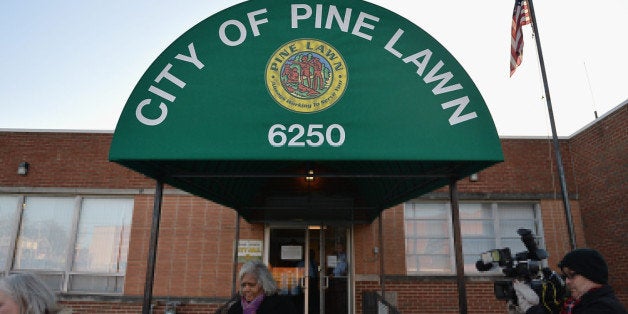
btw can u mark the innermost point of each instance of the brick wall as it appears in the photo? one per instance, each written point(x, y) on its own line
point(600, 157)
point(64, 160)
point(529, 168)
point(103, 307)
point(195, 248)
point(133, 307)
point(433, 295)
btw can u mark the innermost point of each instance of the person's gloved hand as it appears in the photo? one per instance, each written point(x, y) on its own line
point(526, 297)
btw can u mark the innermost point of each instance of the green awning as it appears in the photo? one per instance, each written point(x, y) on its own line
point(242, 107)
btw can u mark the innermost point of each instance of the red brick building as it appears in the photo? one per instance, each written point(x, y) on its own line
point(51, 222)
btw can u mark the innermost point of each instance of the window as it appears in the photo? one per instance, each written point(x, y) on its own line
point(428, 245)
point(44, 234)
point(484, 226)
point(102, 244)
point(76, 244)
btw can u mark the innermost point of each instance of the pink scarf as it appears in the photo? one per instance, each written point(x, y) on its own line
point(251, 307)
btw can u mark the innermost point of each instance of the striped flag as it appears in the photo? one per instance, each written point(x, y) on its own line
point(520, 17)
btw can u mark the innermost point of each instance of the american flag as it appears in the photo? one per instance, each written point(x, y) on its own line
point(520, 17)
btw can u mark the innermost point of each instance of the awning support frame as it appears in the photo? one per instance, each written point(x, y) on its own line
point(382, 273)
point(235, 255)
point(455, 215)
point(152, 249)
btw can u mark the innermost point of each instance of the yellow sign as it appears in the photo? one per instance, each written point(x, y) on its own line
point(249, 250)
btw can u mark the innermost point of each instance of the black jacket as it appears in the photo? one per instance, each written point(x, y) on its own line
point(273, 304)
point(598, 301)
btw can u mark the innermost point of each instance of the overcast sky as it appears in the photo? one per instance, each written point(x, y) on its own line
point(72, 64)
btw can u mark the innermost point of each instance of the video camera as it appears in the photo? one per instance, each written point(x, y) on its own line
point(526, 266)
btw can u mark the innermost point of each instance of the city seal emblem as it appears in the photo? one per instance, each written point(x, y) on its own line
point(306, 75)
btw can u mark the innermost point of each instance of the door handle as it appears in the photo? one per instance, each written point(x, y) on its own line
point(325, 282)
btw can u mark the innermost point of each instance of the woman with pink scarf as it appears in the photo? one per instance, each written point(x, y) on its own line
point(258, 291)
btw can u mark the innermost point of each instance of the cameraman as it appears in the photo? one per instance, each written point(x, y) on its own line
point(586, 276)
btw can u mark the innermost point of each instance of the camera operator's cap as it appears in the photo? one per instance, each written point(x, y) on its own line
point(588, 263)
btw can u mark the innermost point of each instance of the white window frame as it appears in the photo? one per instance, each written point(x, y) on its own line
point(4, 269)
point(63, 284)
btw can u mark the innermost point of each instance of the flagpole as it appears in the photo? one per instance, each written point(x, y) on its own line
point(559, 160)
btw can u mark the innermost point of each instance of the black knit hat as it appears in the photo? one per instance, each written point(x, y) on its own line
point(588, 263)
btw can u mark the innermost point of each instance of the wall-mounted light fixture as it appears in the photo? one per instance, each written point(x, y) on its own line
point(310, 176)
point(22, 169)
point(473, 177)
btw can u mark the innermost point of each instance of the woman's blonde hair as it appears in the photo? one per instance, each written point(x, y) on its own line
point(30, 293)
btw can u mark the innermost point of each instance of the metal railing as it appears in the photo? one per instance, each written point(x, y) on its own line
point(373, 303)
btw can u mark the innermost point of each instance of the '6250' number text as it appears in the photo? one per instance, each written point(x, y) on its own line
point(297, 136)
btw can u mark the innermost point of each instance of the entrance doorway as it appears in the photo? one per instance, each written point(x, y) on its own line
point(312, 265)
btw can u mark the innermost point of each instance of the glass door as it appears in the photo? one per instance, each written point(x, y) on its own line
point(311, 266)
point(335, 277)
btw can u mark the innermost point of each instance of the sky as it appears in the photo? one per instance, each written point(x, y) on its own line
point(72, 64)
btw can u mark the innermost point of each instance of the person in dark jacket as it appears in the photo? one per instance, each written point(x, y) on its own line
point(586, 277)
point(259, 293)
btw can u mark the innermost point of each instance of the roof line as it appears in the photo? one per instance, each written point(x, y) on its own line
point(624, 103)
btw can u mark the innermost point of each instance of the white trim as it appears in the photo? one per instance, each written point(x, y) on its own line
point(14, 234)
